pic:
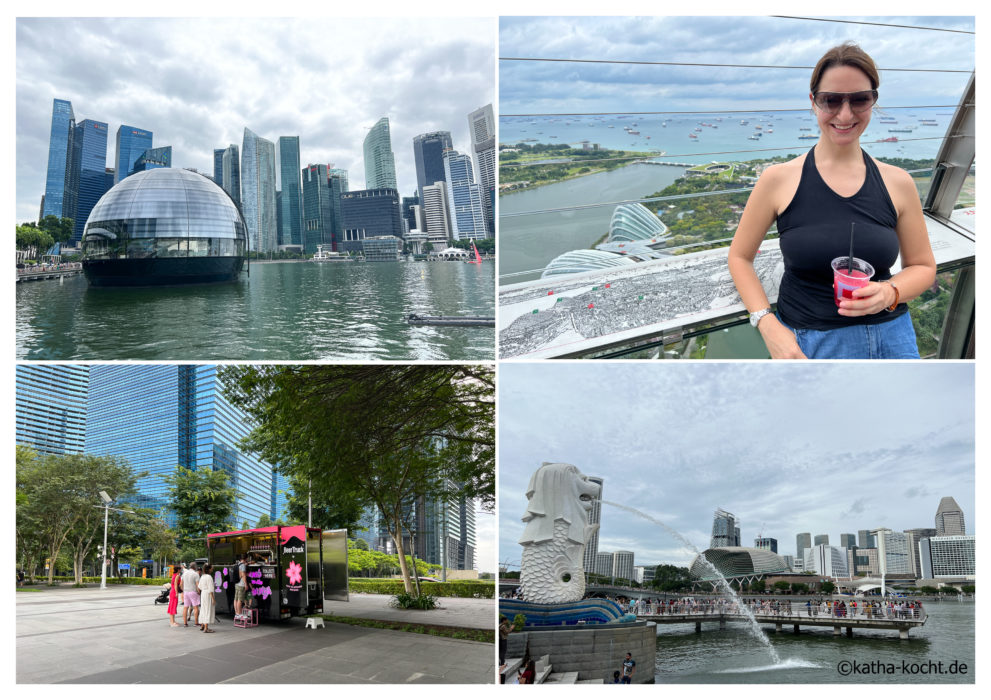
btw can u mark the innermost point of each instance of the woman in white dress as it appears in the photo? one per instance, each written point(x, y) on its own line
point(207, 601)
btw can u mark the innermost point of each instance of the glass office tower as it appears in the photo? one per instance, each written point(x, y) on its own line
point(51, 407)
point(258, 192)
point(428, 155)
point(63, 122)
point(218, 166)
point(291, 206)
point(321, 209)
point(88, 168)
point(464, 198)
point(481, 125)
point(380, 161)
point(132, 143)
point(369, 213)
point(159, 417)
point(232, 173)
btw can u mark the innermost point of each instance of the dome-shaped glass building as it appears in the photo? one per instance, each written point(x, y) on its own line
point(737, 562)
point(164, 226)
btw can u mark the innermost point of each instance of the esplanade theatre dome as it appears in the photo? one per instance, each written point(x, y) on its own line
point(735, 562)
point(164, 226)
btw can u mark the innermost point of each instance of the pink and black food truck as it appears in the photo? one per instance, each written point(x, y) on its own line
point(291, 569)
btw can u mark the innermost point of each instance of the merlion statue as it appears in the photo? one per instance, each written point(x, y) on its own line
point(557, 528)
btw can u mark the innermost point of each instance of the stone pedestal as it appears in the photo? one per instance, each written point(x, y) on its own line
point(593, 651)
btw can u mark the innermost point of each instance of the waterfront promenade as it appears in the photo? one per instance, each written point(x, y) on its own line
point(71, 635)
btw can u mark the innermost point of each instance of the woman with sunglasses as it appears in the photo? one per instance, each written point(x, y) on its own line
point(814, 199)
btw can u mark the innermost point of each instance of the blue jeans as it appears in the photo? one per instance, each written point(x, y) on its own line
point(891, 340)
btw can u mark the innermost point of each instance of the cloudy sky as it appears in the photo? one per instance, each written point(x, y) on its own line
point(196, 84)
point(531, 87)
point(788, 448)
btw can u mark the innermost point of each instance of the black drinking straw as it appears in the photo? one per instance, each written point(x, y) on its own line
point(849, 264)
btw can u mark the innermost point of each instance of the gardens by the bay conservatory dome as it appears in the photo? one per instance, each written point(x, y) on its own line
point(164, 226)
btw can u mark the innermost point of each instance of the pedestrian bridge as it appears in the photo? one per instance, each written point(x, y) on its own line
point(901, 621)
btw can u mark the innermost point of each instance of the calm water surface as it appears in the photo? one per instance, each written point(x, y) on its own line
point(730, 656)
point(282, 311)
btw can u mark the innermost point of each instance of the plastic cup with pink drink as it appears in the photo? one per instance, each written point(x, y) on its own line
point(847, 277)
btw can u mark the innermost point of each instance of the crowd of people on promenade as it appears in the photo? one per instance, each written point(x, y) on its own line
point(192, 586)
point(890, 609)
point(48, 267)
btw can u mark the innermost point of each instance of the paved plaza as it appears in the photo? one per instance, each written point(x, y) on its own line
point(69, 635)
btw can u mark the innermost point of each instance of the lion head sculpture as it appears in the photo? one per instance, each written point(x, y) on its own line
point(557, 528)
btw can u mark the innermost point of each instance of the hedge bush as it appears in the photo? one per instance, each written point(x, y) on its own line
point(133, 581)
point(451, 589)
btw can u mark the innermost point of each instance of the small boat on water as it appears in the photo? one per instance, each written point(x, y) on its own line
point(330, 256)
point(417, 320)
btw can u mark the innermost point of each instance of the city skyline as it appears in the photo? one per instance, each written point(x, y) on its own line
point(679, 441)
point(527, 87)
point(428, 85)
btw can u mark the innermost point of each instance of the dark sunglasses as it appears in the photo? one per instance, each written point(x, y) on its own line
point(833, 101)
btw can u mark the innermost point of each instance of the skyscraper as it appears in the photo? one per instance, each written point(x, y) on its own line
point(160, 157)
point(481, 126)
point(88, 167)
point(258, 192)
point(319, 224)
point(59, 158)
point(51, 407)
point(232, 173)
point(892, 551)
point(291, 231)
point(341, 174)
point(725, 530)
point(428, 155)
point(218, 166)
point(464, 198)
point(865, 540)
point(768, 543)
point(435, 209)
point(184, 421)
point(131, 144)
point(950, 556)
point(594, 518)
point(622, 564)
point(408, 212)
point(380, 161)
point(848, 541)
point(949, 518)
point(820, 539)
point(803, 541)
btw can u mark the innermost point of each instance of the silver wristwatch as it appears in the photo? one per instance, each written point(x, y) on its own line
point(756, 316)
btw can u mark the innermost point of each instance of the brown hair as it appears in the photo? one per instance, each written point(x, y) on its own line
point(846, 54)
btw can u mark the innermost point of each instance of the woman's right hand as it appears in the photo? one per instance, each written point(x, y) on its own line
point(779, 339)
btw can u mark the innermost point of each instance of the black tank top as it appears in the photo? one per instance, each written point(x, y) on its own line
point(815, 228)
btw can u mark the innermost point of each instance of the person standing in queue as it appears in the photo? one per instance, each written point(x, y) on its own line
point(820, 200)
point(174, 595)
point(208, 604)
point(190, 595)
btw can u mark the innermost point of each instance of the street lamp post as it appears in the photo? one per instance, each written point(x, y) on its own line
point(107, 500)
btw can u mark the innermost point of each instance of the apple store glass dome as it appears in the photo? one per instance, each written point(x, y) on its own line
point(164, 213)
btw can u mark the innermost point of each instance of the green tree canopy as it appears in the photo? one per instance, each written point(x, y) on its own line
point(379, 435)
point(203, 502)
point(60, 229)
point(28, 236)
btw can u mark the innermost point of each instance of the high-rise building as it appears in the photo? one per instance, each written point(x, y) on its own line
point(725, 530)
point(848, 541)
point(51, 407)
point(827, 561)
point(464, 198)
point(258, 192)
point(603, 564)
point(131, 144)
point(820, 539)
point(435, 209)
point(481, 125)
point(321, 222)
point(865, 561)
point(768, 543)
point(218, 166)
point(428, 155)
point(892, 551)
point(622, 565)
point(232, 173)
point(803, 541)
point(446, 531)
point(949, 556)
point(88, 169)
point(59, 158)
point(369, 214)
point(594, 518)
point(865, 539)
point(341, 174)
point(408, 212)
point(380, 161)
point(160, 157)
point(949, 518)
point(184, 421)
point(291, 208)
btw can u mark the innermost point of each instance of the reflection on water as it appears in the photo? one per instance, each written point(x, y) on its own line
point(282, 311)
